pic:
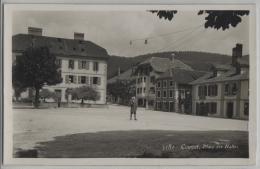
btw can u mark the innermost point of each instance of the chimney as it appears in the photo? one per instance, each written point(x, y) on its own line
point(35, 31)
point(236, 53)
point(78, 36)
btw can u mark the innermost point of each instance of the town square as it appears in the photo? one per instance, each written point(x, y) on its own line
point(130, 84)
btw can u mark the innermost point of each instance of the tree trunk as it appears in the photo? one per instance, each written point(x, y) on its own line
point(36, 99)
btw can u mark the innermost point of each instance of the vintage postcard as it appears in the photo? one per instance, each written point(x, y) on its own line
point(129, 84)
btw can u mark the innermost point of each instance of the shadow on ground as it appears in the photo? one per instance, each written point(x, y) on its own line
point(144, 144)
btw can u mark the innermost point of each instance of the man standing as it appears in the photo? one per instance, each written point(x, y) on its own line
point(133, 104)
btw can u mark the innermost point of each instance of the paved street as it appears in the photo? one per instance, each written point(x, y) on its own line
point(32, 126)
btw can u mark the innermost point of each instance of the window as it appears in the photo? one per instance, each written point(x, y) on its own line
point(152, 79)
point(231, 89)
point(234, 89)
point(164, 93)
point(95, 66)
point(83, 64)
point(170, 93)
point(164, 83)
point(159, 84)
point(152, 90)
point(144, 79)
point(171, 83)
point(205, 91)
point(58, 62)
point(246, 109)
point(158, 94)
point(144, 90)
point(96, 80)
point(82, 79)
point(70, 79)
point(212, 90)
point(71, 64)
point(226, 89)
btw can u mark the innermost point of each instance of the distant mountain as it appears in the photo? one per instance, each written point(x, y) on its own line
point(197, 60)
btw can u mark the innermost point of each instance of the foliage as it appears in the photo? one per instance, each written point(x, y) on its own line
point(166, 14)
point(83, 93)
point(34, 68)
point(215, 18)
point(45, 94)
point(123, 89)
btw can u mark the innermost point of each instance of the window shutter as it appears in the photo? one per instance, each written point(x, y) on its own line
point(75, 79)
point(87, 65)
point(87, 80)
point(67, 79)
point(91, 80)
point(80, 64)
point(99, 81)
point(79, 79)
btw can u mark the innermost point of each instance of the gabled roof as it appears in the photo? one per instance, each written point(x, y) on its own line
point(182, 76)
point(59, 46)
point(123, 76)
point(158, 64)
point(231, 75)
point(223, 67)
point(163, 64)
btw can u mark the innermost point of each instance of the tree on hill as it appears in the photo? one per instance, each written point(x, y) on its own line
point(83, 93)
point(214, 18)
point(34, 68)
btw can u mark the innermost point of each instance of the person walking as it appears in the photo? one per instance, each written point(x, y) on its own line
point(133, 104)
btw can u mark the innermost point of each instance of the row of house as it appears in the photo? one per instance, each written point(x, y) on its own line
point(170, 85)
point(159, 83)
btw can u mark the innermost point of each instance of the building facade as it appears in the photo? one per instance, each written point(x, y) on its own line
point(173, 91)
point(146, 74)
point(224, 92)
point(81, 62)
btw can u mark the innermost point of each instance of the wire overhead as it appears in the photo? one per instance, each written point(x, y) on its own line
point(145, 39)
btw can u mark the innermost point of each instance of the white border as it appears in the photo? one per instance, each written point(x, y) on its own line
point(9, 160)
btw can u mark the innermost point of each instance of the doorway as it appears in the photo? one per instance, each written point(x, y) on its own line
point(230, 110)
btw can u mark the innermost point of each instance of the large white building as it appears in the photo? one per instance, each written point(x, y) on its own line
point(82, 63)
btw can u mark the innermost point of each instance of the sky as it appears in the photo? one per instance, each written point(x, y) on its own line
point(113, 30)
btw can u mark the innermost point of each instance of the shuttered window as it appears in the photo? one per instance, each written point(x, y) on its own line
point(71, 64)
point(74, 79)
point(87, 80)
point(95, 66)
point(79, 64)
point(67, 79)
point(96, 80)
point(79, 80)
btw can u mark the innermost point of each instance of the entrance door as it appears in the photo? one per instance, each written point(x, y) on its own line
point(230, 109)
point(172, 107)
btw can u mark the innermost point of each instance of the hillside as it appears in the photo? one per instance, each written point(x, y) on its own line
point(197, 60)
